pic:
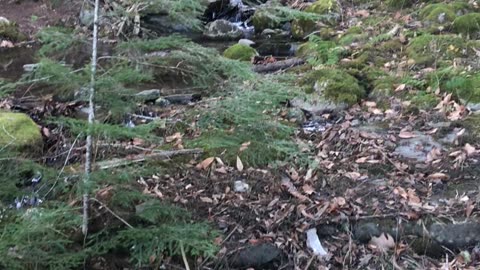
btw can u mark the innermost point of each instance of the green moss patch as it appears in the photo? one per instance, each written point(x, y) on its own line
point(336, 85)
point(9, 30)
point(240, 52)
point(468, 24)
point(18, 131)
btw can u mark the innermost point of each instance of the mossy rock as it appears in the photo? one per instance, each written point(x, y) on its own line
point(328, 8)
point(240, 52)
point(427, 48)
point(262, 19)
point(468, 24)
point(396, 4)
point(432, 13)
point(9, 30)
point(19, 132)
point(336, 85)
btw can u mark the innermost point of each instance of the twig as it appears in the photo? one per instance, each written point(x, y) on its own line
point(184, 257)
point(113, 213)
point(310, 262)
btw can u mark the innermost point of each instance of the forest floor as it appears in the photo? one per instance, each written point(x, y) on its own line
point(382, 173)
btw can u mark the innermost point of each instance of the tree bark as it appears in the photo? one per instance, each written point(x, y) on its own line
point(91, 118)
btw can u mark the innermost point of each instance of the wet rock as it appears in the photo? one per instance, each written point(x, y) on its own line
point(162, 102)
point(417, 148)
point(255, 256)
point(223, 30)
point(162, 23)
point(19, 132)
point(241, 186)
point(276, 47)
point(364, 232)
point(456, 236)
point(148, 95)
point(262, 19)
point(230, 10)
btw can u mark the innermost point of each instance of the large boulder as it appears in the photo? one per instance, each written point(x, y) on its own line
point(19, 132)
point(223, 30)
point(329, 11)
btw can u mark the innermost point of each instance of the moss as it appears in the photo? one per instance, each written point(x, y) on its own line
point(9, 30)
point(19, 132)
point(262, 20)
point(324, 7)
point(348, 39)
point(467, 24)
point(423, 100)
point(427, 48)
point(433, 11)
point(336, 85)
point(240, 52)
point(303, 27)
point(395, 4)
point(465, 86)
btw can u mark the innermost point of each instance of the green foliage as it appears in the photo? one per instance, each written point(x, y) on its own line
point(56, 40)
point(248, 115)
point(240, 52)
point(399, 4)
point(40, 239)
point(9, 31)
point(184, 12)
point(423, 100)
point(432, 11)
point(319, 52)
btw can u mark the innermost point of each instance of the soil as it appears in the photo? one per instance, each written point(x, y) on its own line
point(33, 15)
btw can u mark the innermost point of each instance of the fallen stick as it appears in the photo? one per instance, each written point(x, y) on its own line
point(155, 155)
point(279, 65)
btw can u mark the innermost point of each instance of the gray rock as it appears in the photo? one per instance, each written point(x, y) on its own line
point(148, 95)
point(255, 256)
point(162, 102)
point(4, 20)
point(223, 30)
point(417, 148)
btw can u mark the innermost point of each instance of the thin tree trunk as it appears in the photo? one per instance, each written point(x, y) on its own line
point(91, 118)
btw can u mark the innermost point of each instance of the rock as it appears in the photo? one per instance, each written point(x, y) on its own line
point(255, 256)
point(262, 19)
point(19, 132)
point(330, 11)
point(230, 10)
point(240, 52)
point(417, 148)
point(148, 95)
point(223, 30)
point(162, 102)
point(456, 236)
point(246, 42)
point(240, 186)
point(162, 23)
point(86, 16)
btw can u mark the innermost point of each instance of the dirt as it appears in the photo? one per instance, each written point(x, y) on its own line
point(32, 16)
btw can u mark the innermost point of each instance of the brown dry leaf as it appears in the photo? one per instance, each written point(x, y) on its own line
point(361, 160)
point(308, 189)
point(219, 161)
point(412, 196)
point(292, 189)
point(401, 87)
point(469, 209)
point(303, 210)
point(158, 192)
point(434, 154)
point(137, 141)
point(406, 135)
point(221, 170)
point(458, 113)
point(401, 192)
point(384, 242)
point(430, 132)
point(309, 174)
point(469, 149)
point(244, 146)
point(205, 163)
point(370, 104)
point(206, 200)
point(437, 176)
point(6, 44)
point(353, 175)
point(239, 164)
point(362, 13)
point(173, 137)
point(45, 132)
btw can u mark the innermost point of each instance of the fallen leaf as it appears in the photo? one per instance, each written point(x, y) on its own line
point(362, 13)
point(384, 242)
point(361, 160)
point(205, 163)
point(406, 135)
point(308, 189)
point(469, 149)
point(401, 87)
point(353, 175)
point(469, 209)
point(206, 200)
point(309, 174)
point(239, 164)
point(292, 189)
point(437, 176)
point(173, 137)
point(244, 146)
point(6, 44)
